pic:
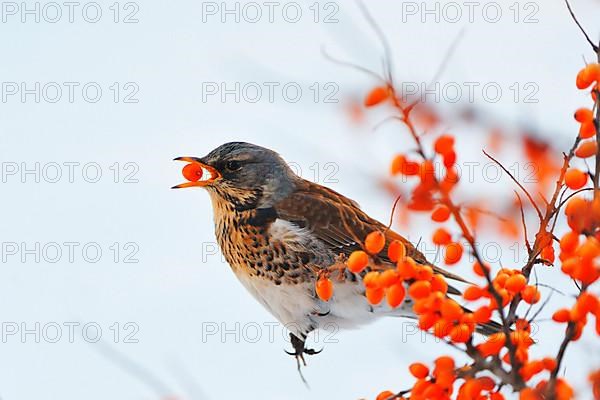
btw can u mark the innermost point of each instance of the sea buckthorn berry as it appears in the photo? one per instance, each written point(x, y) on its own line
point(453, 253)
point(419, 370)
point(588, 302)
point(424, 273)
point(419, 289)
point(444, 363)
point(569, 242)
point(440, 214)
point(588, 75)
point(449, 159)
point(575, 178)
point(371, 280)
point(562, 315)
point(460, 333)
point(530, 294)
point(549, 363)
point(482, 315)
point(385, 395)
point(396, 251)
point(192, 172)
point(587, 130)
point(374, 295)
point(357, 261)
point(473, 293)
point(584, 115)
point(586, 149)
point(427, 173)
point(375, 242)
point(439, 284)
point(395, 294)
point(407, 268)
point(479, 269)
point(444, 144)
point(548, 254)
point(376, 96)
point(324, 288)
point(515, 283)
point(401, 165)
point(427, 320)
point(388, 278)
point(441, 237)
point(493, 344)
point(451, 310)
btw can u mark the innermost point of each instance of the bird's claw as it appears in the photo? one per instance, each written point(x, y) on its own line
point(299, 352)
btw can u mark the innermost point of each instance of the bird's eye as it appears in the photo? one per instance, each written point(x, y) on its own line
point(233, 165)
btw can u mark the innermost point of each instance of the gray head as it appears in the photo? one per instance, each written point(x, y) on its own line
point(243, 174)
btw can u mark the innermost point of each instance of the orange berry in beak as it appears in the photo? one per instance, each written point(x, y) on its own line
point(192, 172)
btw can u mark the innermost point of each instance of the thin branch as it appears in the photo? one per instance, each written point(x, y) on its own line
point(594, 46)
point(518, 184)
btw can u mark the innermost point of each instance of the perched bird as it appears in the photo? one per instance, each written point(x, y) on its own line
point(278, 230)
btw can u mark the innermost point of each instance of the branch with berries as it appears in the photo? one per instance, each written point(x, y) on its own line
point(501, 362)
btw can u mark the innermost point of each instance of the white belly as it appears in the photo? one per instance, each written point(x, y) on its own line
point(296, 307)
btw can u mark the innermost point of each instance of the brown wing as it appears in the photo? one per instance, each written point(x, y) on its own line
point(341, 224)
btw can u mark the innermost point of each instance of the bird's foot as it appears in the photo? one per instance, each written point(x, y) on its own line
point(299, 352)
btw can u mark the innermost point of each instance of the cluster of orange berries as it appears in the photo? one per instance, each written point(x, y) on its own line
point(586, 303)
point(579, 258)
point(507, 283)
point(422, 195)
point(588, 76)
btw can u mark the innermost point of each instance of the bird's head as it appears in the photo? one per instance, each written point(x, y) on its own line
point(242, 174)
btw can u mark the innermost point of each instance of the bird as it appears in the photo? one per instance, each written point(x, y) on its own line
point(277, 231)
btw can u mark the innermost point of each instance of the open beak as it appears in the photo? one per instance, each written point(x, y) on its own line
point(209, 174)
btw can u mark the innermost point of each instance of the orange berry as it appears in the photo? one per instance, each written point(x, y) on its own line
point(444, 363)
point(419, 370)
point(569, 242)
point(584, 115)
point(587, 130)
point(398, 164)
point(493, 344)
point(407, 268)
point(449, 159)
point(375, 242)
point(575, 178)
point(388, 278)
point(374, 295)
point(479, 269)
point(385, 395)
point(396, 251)
point(586, 149)
point(530, 294)
point(444, 144)
point(473, 293)
point(441, 237)
point(427, 320)
point(515, 283)
point(453, 253)
point(460, 333)
point(588, 75)
point(440, 214)
point(371, 280)
point(324, 288)
point(357, 261)
point(395, 294)
point(588, 302)
point(192, 172)
point(496, 396)
point(439, 284)
point(548, 254)
point(376, 96)
point(482, 315)
point(549, 363)
point(423, 273)
point(427, 173)
point(419, 289)
point(451, 310)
